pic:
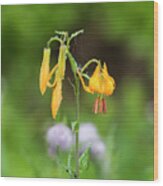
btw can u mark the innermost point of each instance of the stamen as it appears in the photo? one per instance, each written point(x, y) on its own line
point(96, 104)
point(101, 106)
point(104, 105)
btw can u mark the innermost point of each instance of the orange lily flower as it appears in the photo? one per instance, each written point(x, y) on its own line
point(46, 75)
point(101, 83)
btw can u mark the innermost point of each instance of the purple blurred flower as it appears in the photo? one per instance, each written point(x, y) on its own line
point(59, 136)
point(98, 150)
point(88, 133)
point(89, 137)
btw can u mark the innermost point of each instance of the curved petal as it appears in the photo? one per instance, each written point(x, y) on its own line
point(108, 84)
point(94, 82)
point(53, 71)
point(85, 87)
point(50, 85)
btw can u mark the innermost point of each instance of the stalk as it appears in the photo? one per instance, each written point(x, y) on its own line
point(74, 67)
point(77, 131)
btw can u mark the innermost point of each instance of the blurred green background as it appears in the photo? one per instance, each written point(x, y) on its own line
point(120, 34)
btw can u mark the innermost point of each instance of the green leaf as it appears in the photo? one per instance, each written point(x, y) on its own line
point(84, 159)
point(86, 76)
point(75, 126)
point(73, 62)
point(69, 163)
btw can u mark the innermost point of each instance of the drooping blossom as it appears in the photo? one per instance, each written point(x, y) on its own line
point(100, 83)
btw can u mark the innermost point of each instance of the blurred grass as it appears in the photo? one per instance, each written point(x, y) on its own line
point(120, 34)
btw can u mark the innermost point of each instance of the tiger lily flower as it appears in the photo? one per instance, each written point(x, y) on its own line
point(101, 83)
point(45, 76)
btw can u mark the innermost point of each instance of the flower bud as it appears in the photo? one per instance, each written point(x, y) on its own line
point(44, 71)
point(56, 99)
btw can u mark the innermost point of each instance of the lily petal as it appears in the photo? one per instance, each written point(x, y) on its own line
point(50, 85)
point(85, 87)
point(94, 82)
point(108, 81)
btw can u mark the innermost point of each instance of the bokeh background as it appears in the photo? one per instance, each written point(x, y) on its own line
point(120, 34)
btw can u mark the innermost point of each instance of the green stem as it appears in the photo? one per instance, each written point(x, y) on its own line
point(74, 68)
point(52, 39)
point(76, 155)
point(77, 131)
point(89, 63)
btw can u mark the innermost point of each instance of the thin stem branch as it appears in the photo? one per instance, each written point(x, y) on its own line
point(73, 36)
point(52, 39)
point(89, 63)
